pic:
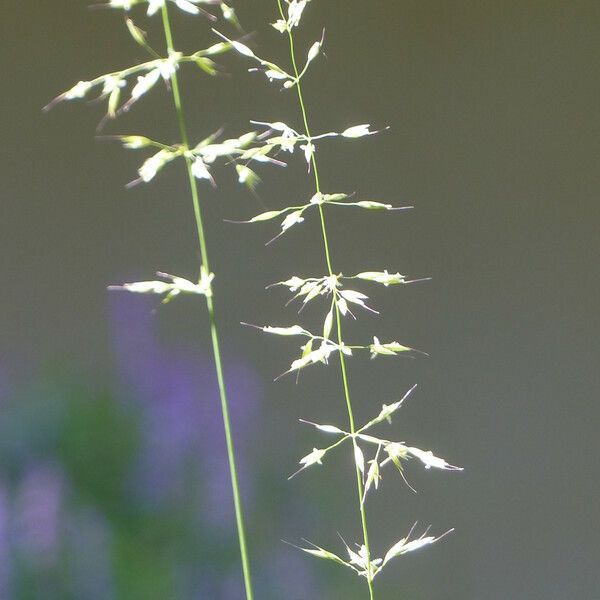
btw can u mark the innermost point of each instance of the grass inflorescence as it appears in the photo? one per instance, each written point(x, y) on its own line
point(370, 453)
point(198, 159)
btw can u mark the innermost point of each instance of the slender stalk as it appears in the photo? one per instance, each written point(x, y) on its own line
point(343, 368)
point(239, 515)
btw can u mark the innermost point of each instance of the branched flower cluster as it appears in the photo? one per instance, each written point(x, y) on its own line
point(141, 78)
point(145, 76)
point(371, 454)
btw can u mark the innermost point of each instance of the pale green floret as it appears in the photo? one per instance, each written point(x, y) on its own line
point(355, 298)
point(261, 155)
point(293, 330)
point(361, 563)
point(292, 219)
point(145, 83)
point(359, 458)
point(135, 142)
point(168, 66)
point(429, 460)
point(288, 138)
point(185, 5)
point(266, 216)
point(112, 89)
point(389, 349)
point(357, 131)
point(293, 284)
point(138, 35)
point(295, 10)
point(124, 4)
point(325, 428)
point(145, 287)
point(328, 324)
point(382, 277)
point(208, 65)
point(371, 205)
point(334, 197)
point(404, 546)
point(320, 198)
point(217, 48)
point(242, 49)
point(154, 164)
point(310, 290)
point(247, 177)
point(210, 151)
point(309, 150)
point(280, 25)
point(373, 475)
point(313, 52)
point(230, 15)
point(79, 90)
point(369, 438)
point(342, 306)
point(321, 553)
point(314, 458)
point(276, 74)
point(112, 83)
point(200, 170)
point(388, 410)
point(321, 354)
point(312, 287)
point(396, 451)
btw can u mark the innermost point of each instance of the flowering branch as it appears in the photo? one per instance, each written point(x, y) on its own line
point(340, 300)
point(198, 160)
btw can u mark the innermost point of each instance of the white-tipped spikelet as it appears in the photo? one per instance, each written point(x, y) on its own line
point(171, 287)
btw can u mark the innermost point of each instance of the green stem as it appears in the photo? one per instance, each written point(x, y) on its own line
point(344, 372)
point(239, 516)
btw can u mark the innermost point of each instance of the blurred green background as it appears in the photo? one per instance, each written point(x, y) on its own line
point(113, 483)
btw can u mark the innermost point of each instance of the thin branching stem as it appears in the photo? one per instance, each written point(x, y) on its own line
point(211, 316)
point(343, 368)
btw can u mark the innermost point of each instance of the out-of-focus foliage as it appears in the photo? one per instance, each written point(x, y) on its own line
point(108, 490)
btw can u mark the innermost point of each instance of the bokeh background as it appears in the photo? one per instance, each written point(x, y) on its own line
point(113, 482)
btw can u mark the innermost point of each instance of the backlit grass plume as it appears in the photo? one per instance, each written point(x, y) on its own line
point(342, 296)
point(121, 90)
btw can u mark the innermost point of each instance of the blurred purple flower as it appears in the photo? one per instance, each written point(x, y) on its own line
point(38, 507)
point(5, 562)
point(291, 576)
point(182, 417)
